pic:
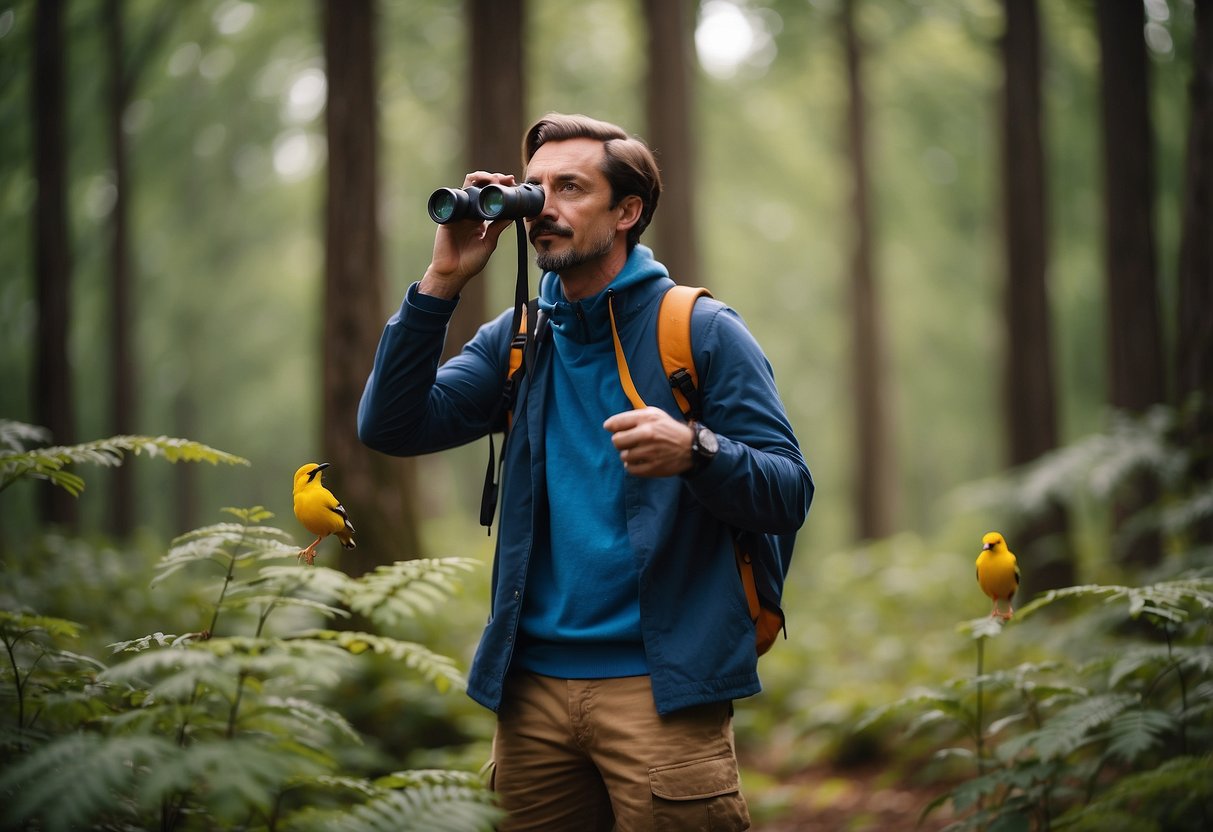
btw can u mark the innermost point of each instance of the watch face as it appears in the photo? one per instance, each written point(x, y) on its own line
point(707, 441)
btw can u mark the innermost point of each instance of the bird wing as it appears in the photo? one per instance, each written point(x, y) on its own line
point(339, 509)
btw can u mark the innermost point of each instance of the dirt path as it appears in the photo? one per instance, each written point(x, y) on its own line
point(850, 800)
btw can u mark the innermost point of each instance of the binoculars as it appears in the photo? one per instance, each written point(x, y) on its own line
point(492, 202)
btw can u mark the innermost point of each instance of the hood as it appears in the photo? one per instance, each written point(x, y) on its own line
point(589, 318)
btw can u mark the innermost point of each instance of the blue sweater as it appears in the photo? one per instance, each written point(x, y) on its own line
point(582, 615)
point(697, 637)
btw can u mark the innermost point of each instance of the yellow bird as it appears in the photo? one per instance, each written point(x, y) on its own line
point(998, 573)
point(319, 511)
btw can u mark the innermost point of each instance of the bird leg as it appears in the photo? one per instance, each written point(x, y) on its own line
point(308, 555)
point(998, 613)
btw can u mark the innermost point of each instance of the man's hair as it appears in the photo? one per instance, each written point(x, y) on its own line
point(628, 164)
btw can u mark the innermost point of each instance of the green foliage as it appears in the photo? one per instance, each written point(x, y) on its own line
point(17, 463)
point(1126, 734)
point(236, 724)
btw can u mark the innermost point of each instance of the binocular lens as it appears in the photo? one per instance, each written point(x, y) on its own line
point(500, 202)
point(450, 204)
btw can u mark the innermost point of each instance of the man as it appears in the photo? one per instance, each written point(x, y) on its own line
point(619, 633)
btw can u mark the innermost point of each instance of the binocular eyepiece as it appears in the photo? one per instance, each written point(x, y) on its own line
point(492, 202)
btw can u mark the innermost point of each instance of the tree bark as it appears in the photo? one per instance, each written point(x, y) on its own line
point(670, 103)
point(1029, 397)
point(375, 489)
point(1134, 338)
point(493, 128)
point(122, 366)
point(54, 406)
point(1194, 348)
point(875, 475)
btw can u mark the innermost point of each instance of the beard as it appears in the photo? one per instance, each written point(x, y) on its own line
point(572, 258)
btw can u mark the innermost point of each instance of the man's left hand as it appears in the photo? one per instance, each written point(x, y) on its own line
point(651, 442)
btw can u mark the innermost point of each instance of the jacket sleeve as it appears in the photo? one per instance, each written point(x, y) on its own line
point(759, 480)
point(410, 404)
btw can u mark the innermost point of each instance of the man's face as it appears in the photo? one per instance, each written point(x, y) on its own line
point(578, 225)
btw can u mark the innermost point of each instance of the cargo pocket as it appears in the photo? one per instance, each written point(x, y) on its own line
point(698, 795)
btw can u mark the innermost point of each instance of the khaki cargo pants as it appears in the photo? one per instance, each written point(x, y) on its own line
point(593, 754)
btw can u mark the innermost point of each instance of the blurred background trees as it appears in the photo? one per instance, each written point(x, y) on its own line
point(206, 192)
point(966, 232)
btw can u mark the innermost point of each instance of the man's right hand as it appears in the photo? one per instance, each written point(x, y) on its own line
point(463, 248)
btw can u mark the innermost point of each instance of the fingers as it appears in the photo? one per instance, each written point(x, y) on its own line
point(650, 442)
point(480, 178)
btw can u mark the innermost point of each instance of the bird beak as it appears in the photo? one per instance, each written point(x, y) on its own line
point(323, 465)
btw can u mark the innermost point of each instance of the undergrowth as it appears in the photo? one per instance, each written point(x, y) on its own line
point(231, 724)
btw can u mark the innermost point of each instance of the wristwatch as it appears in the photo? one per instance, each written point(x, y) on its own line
point(704, 446)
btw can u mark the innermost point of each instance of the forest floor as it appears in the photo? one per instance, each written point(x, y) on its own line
point(862, 799)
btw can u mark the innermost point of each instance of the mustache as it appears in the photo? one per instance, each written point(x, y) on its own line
point(549, 227)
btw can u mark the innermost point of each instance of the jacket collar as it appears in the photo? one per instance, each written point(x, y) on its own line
point(588, 320)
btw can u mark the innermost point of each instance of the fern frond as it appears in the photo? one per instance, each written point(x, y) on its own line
point(1166, 600)
point(407, 589)
point(17, 436)
point(1174, 795)
point(76, 780)
point(49, 463)
point(1135, 732)
point(1070, 728)
point(138, 645)
point(454, 805)
point(17, 625)
point(304, 714)
point(234, 777)
point(434, 667)
point(221, 542)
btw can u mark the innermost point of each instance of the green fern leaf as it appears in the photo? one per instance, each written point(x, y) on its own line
point(18, 625)
point(77, 780)
point(1135, 732)
point(434, 667)
point(407, 590)
point(48, 463)
point(1173, 796)
point(1073, 726)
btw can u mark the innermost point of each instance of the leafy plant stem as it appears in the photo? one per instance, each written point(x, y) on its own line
point(1183, 693)
point(18, 681)
point(227, 581)
point(979, 728)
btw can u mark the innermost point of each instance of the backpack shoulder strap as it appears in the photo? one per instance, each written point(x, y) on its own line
point(674, 341)
point(674, 345)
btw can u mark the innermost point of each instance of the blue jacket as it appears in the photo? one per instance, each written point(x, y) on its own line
point(698, 637)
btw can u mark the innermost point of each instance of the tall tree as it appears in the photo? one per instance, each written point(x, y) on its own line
point(493, 127)
point(54, 407)
point(1029, 389)
point(1194, 348)
point(875, 473)
point(377, 490)
point(125, 67)
point(670, 104)
point(1134, 338)
point(122, 365)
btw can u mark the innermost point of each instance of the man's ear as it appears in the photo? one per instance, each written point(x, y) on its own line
point(630, 209)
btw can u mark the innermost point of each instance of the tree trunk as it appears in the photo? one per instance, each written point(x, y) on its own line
point(1029, 400)
point(876, 471)
point(53, 401)
point(1194, 349)
point(1134, 339)
point(122, 365)
point(494, 130)
point(670, 103)
point(375, 489)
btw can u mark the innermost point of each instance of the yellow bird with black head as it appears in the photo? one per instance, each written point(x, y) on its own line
point(319, 511)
